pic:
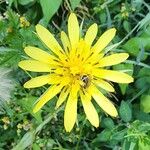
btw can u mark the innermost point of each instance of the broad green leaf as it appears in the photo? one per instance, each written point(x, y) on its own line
point(74, 3)
point(125, 111)
point(49, 8)
point(134, 45)
point(143, 82)
point(28, 104)
point(145, 103)
point(144, 72)
point(9, 57)
point(108, 123)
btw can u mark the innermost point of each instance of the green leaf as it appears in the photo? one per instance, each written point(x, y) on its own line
point(125, 111)
point(145, 103)
point(126, 145)
point(143, 82)
point(134, 45)
point(143, 146)
point(145, 21)
point(9, 57)
point(108, 123)
point(132, 146)
point(74, 3)
point(28, 103)
point(25, 141)
point(104, 135)
point(36, 147)
point(103, 16)
point(119, 135)
point(126, 26)
point(144, 72)
point(10, 2)
point(25, 2)
point(49, 8)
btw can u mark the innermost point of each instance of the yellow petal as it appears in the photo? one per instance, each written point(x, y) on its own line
point(91, 34)
point(105, 85)
point(34, 65)
point(103, 102)
point(62, 97)
point(94, 58)
point(73, 30)
point(65, 42)
point(104, 40)
point(40, 55)
point(37, 81)
point(48, 95)
point(112, 59)
point(49, 40)
point(89, 109)
point(55, 79)
point(70, 114)
point(111, 75)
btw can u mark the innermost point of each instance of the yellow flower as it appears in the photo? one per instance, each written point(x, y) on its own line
point(6, 120)
point(24, 22)
point(75, 72)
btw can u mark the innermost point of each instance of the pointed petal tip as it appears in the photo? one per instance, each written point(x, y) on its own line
point(68, 129)
point(113, 29)
point(27, 48)
point(96, 125)
point(132, 79)
point(25, 85)
point(95, 25)
point(20, 64)
point(125, 55)
point(115, 114)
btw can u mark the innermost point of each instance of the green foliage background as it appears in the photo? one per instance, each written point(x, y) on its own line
point(21, 129)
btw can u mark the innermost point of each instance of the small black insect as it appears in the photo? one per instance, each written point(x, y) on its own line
point(86, 81)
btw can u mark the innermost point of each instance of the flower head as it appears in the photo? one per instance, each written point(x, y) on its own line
point(76, 71)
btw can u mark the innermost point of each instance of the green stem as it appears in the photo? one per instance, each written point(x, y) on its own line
point(49, 117)
point(80, 135)
point(138, 94)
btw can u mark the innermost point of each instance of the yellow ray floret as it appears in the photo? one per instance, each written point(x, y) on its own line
point(70, 114)
point(34, 65)
point(89, 109)
point(103, 102)
point(91, 34)
point(104, 40)
point(49, 94)
point(112, 60)
point(111, 75)
point(73, 30)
